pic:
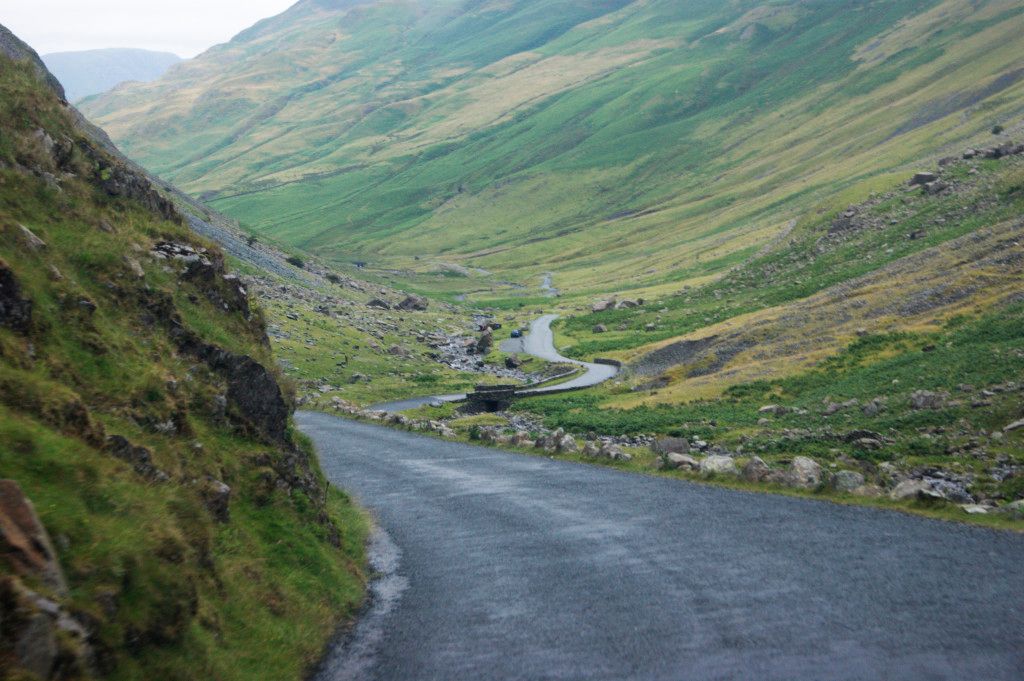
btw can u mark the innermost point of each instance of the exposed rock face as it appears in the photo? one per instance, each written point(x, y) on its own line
point(26, 545)
point(600, 328)
point(31, 241)
point(15, 311)
point(414, 303)
point(379, 304)
point(140, 458)
point(217, 497)
point(122, 182)
point(485, 342)
point(253, 394)
point(254, 398)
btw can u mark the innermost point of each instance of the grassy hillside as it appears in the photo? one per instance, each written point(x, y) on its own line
point(180, 530)
point(615, 144)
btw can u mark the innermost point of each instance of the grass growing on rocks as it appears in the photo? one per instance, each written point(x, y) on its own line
point(166, 585)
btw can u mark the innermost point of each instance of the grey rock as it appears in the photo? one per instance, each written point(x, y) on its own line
point(675, 460)
point(926, 399)
point(414, 303)
point(717, 464)
point(31, 241)
point(217, 498)
point(755, 470)
point(36, 647)
point(847, 481)
point(666, 445)
point(803, 472)
point(1016, 425)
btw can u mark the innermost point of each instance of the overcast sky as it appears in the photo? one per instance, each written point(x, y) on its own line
point(185, 27)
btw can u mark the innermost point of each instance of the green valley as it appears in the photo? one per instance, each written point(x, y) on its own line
point(615, 144)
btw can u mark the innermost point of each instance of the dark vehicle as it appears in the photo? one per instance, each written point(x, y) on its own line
point(517, 334)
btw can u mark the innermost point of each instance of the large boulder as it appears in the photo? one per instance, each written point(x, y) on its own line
point(414, 303)
point(718, 464)
point(485, 342)
point(922, 178)
point(803, 472)
point(677, 461)
point(847, 481)
point(614, 452)
point(755, 470)
point(254, 397)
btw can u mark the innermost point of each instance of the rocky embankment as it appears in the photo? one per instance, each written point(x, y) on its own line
point(701, 459)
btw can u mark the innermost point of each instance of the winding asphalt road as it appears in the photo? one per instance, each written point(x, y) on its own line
point(539, 342)
point(507, 566)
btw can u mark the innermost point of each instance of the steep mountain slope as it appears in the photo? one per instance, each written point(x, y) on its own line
point(91, 72)
point(158, 517)
point(614, 143)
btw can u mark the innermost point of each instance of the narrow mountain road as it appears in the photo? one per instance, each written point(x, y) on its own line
point(539, 342)
point(506, 566)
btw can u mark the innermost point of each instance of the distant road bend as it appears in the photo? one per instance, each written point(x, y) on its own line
point(539, 342)
point(507, 566)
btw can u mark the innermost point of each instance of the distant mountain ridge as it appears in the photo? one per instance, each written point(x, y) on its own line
point(90, 72)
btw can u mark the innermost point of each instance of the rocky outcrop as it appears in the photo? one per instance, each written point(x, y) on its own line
point(15, 309)
point(140, 458)
point(414, 303)
point(254, 400)
point(26, 546)
point(120, 181)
